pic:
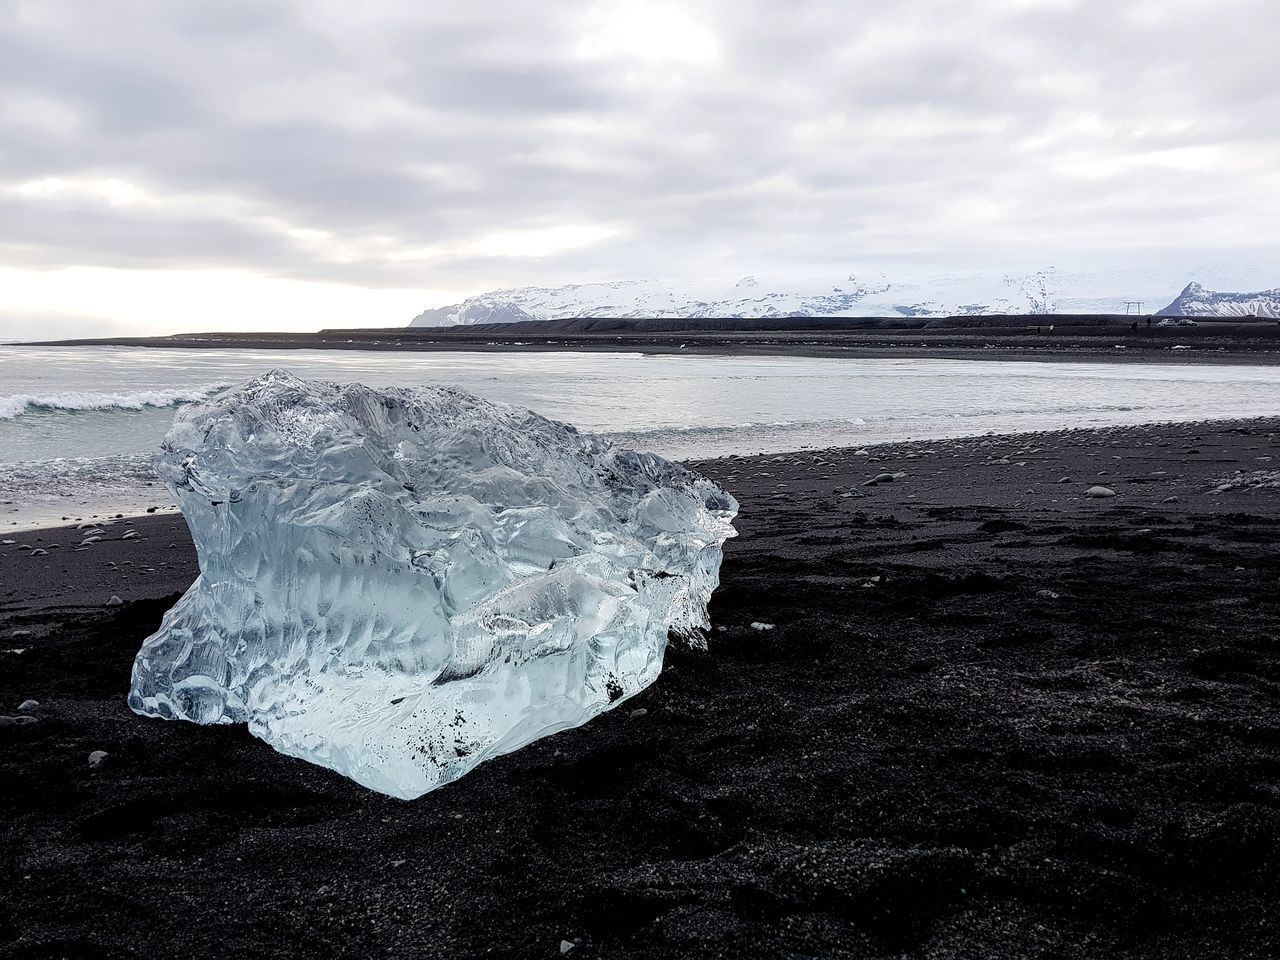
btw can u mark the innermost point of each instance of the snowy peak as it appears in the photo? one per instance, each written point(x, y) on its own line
point(490, 308)
point(864, 293)
point(1197, 301)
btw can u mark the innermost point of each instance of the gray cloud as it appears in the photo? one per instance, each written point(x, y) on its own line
point(385, 144)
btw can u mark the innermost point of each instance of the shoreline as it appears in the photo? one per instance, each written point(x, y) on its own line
point(1213, 342)
point(113, 512)
point(993, 716)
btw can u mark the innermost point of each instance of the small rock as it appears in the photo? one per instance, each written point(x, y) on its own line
point(638, 713)
point(757, 625)
point(131, 535)
point(1169, 500)
point(115, 601)
point(39, 552)
point(566, 946)
point(19, 634)
point(1047, 594)
point(97, 759)
point(1099, 492)
point(26, 706)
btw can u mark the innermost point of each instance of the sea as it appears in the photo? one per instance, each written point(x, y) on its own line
point(79, 425)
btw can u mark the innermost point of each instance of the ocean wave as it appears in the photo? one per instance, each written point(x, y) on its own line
point(54, 477)
point(728, 429)
point(19, 404)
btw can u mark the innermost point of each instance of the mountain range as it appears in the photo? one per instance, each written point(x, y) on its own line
point(1196, 301)
point(876, 294)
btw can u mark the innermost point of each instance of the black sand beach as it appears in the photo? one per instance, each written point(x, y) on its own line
point(987, 717)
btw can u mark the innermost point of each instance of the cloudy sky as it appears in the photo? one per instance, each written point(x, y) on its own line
point(248, 164)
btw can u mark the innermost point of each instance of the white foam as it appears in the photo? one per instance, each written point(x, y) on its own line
point(15, 405)
point(41, 493)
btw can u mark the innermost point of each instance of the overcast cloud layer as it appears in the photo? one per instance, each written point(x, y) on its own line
point(180, 165)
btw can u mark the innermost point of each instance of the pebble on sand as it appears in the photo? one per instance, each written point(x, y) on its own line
point(26, 706)
point(1099, 492)
point(881, 478)
point(115, 601)
point(638, 713)
point(757, 625)
point(97, 758)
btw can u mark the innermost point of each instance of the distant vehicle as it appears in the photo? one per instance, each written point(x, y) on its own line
point(1166, 322)
point(1187, 322)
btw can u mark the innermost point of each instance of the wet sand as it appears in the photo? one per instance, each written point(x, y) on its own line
point(992, 718)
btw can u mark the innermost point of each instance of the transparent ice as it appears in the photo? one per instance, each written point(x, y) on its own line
point(400, 584)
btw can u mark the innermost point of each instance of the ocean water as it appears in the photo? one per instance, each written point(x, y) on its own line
point(78, 425)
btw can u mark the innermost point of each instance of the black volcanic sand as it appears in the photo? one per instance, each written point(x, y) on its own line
point(992, 718)
point(1025, 338)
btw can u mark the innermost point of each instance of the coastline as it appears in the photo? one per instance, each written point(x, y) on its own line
point(993, 715)
point(139, 506)
point(1217, 341)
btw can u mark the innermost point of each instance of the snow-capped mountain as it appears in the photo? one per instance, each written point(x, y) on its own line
point(861, 294)
point(1196, 301)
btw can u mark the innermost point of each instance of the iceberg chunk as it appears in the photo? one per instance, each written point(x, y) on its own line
point(400, 584)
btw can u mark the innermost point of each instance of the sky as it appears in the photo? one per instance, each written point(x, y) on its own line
point(184, 165)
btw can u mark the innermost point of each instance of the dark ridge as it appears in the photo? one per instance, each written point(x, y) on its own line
point(578, 325)
point(1002, 337)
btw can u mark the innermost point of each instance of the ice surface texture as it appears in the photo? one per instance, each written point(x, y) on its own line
point(399, 584)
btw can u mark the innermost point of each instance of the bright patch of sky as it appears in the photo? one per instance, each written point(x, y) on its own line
point(240, 165)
